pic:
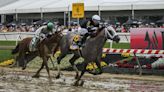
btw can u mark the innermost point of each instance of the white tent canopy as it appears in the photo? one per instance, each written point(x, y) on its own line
point(37, 6)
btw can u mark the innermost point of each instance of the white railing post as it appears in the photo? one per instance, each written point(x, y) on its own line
point(111, 44)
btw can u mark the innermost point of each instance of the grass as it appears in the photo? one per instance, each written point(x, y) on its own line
point(118, 45)
point(5, 55)
point(7, 43)
point(107, 45)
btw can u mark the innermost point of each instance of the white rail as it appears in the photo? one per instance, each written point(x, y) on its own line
point(16, 36)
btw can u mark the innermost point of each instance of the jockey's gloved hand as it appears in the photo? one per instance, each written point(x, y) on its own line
point(94, 28)
point(48, 35)
point(42, 35)
point(89, 28)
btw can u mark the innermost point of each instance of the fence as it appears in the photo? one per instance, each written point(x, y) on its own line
point(137, 51)
point(17, 36)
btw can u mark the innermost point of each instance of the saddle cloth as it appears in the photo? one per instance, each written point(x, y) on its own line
point(75, 42)
point(31, 46)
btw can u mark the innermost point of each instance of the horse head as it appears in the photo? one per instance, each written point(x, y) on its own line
point(110, 33)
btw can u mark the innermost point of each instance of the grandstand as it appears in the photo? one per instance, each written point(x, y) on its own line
point(57, 10)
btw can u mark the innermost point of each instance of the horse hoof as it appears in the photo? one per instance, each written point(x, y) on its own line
point(58, 76)
point(81, 83)
point(35, 76)
point(76, 77)
point(76, 83)
point(23, 68)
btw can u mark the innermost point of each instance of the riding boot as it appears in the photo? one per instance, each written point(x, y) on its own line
point(83, 40)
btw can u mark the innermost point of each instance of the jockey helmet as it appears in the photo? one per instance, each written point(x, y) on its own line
point(50, 26)
point(96, 19)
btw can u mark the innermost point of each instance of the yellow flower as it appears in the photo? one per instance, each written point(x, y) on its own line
point(103, 63)
point(7, 62)
point(103, 55)
point(93, 65)
point(125, 54)
point(89, 67)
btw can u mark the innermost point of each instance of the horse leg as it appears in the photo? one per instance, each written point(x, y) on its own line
point(52, 62)
point(45, 59)
point(82, 73)
point(72, 60)
point(54, 49)
point(99, 71)
point(61, 56)
point(25, 61)
point(22, 59)
point(37, 73)
point(15, 64)
point(31, 56)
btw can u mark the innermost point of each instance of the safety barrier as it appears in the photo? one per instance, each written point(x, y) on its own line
point(135, 51)
point(142, 52)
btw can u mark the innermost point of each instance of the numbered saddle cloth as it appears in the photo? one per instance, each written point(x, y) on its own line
point(75, 41)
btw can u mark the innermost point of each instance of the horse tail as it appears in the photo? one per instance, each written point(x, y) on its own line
point(14, 51)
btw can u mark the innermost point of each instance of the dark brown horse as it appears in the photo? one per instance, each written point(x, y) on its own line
point(44, 48)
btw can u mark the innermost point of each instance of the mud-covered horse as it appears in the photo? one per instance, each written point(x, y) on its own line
point(44, 48)
point(91, 52)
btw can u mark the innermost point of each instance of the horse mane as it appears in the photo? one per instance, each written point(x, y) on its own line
point(97, 32)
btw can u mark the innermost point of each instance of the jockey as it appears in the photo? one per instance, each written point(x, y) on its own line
point(42, 33)
point(88, 26)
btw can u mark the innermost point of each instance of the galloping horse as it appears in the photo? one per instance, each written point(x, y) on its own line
point(91, 52)
point(44, 47)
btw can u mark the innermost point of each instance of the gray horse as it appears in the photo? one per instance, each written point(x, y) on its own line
point(91, 52)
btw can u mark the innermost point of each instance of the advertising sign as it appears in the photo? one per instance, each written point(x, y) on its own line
point(147, 38)
point(78, 10)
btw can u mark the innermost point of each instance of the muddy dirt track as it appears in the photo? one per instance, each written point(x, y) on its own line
point(16, 80)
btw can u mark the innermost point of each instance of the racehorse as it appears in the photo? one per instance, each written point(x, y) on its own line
point(91, 52)
point(44, 48)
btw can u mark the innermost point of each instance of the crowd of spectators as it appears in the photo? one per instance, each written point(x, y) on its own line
point(21, 27)
point(124, 27)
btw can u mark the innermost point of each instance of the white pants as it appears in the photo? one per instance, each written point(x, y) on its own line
point(82, 31)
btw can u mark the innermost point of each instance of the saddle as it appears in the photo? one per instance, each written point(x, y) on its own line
point(34, 43)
